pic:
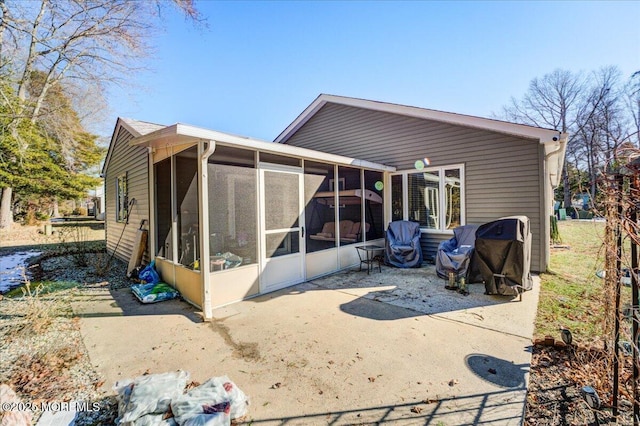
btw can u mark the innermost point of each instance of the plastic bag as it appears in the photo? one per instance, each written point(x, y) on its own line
point(151, 293)
point(152, 420)
point(215, 402)
point(231, 260)
point(150, 394)
point(218, 419)
point(149, 274)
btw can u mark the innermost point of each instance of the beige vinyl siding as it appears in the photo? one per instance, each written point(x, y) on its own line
point(502, 172)
point(134, 162)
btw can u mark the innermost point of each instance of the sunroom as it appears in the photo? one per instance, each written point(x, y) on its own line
point(233, 217)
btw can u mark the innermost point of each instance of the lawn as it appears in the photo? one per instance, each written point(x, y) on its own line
point(571, 292)
point(572, 297)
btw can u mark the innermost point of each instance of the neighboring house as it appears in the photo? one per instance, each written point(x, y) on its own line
point(98, 202)
point(269, 215)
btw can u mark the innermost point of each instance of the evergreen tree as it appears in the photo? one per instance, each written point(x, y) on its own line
point(53, 52)
point(33, 164)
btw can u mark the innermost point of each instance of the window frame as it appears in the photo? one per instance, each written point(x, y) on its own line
point(122, 198)
point(441, 229)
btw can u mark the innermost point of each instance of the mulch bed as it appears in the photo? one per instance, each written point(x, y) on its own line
point(558, 373)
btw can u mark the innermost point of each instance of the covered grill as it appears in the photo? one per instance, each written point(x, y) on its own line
point(503, 256)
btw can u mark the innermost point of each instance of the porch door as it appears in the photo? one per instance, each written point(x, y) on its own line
point(282, 227)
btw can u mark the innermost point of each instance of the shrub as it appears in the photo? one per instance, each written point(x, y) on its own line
point(80, 211)
point(555, 233)
point(40, 215)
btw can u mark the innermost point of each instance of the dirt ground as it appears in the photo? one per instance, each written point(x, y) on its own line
point(63, 232)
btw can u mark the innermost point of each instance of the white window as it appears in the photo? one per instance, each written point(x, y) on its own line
point(122, 198)
point(433, 197)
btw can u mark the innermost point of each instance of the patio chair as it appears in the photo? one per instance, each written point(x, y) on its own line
point(454, 255)
point(402, 245)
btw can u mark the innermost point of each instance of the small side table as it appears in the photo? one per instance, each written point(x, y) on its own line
point(368, 256)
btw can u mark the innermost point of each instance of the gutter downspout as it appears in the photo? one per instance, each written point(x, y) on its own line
point(203, 217)
point(562, 145)
point(152, 202)
point(548, 194)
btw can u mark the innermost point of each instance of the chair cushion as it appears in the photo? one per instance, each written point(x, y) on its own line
point(345, 227)
point(328, 228)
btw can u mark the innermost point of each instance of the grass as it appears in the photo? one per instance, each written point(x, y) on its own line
point(571, 293)
point(45, 287)
point(66, 236)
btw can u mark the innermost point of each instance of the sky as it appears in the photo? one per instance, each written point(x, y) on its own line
point(259, 64)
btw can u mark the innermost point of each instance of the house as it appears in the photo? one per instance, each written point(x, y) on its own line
point(267, 215)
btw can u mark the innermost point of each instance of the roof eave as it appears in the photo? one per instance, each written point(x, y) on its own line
point(120, 123)
point(180, 134)
point(520, 130)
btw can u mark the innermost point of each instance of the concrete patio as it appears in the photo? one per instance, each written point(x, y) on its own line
point(391, 347)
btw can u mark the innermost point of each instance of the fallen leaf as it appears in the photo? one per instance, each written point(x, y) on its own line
point(416, 410)
point(276, 385)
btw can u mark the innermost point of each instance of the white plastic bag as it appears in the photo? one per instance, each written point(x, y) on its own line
point(152, 420)
point(213, 403)
point(151, 394)
point(219, 419)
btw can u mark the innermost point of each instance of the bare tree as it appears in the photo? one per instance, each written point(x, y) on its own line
point(600, 125)
point(632, 101)
point(75, 44)
point(589, 108)
point(554, 101)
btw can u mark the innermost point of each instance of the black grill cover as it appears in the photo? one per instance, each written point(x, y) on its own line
point(503, 247)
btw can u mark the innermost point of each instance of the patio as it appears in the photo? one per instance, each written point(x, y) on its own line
point(421, 292)
point(349, 348)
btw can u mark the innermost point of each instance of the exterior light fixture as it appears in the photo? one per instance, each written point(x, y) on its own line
point(592, 399)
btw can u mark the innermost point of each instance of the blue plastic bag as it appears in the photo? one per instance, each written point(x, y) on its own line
point(151, 293)
point(149, 274)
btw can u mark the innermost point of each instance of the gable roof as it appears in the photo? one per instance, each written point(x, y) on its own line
point(135, 128)
point(521, 130)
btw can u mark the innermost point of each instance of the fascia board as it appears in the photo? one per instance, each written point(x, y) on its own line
point(304, 116)
point(120, 123)
point(179, 134)
point(520, 130)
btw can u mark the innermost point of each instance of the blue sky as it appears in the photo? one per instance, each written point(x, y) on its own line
point(259, 64)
